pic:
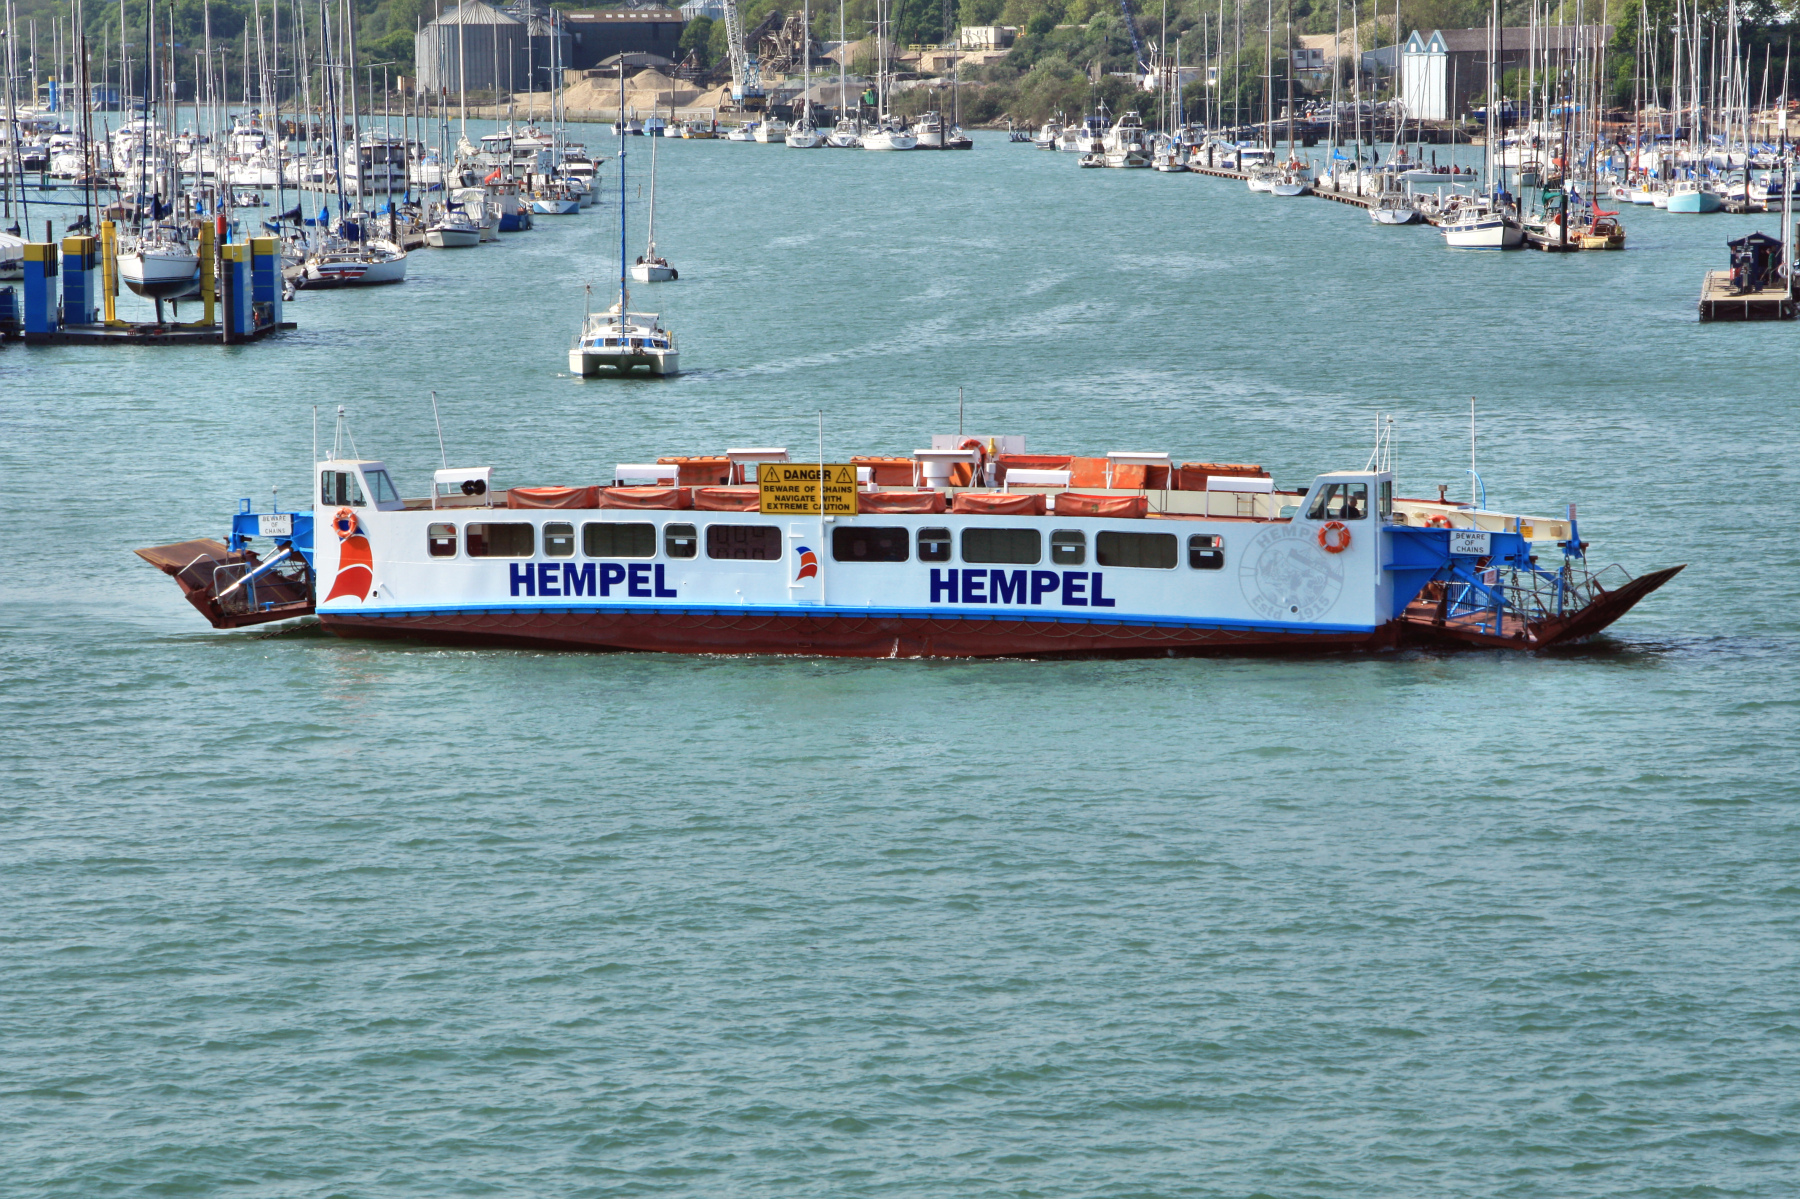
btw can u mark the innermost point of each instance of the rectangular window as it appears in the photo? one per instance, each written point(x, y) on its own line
point(1206, 551)
point(1068, 547)
point(681, 541)
point(744, 543)
point(340, 487)
point(601, 539)
point(1150, 551)
point(869, 545)
point(498, 541)
point(440, 540)
point(1340, 501)
point(934, 545)
point(559, 540)
point(1387, 501)
point(1021, 547)
point(383, 487)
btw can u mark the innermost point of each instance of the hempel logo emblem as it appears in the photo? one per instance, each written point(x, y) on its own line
point(809, 563)
point(1284, 576)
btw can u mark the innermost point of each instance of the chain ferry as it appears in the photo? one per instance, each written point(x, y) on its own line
point(969, 548)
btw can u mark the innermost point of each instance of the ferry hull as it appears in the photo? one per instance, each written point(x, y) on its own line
point(845, 635)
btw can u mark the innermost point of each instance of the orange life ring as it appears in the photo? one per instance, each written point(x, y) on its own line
point(1439, 521)
point(344, 521)
point(979, 469)
point(1334, 536)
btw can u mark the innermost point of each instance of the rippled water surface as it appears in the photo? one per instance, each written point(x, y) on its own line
point(286, 915)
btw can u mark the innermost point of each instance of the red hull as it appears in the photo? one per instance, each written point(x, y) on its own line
point(842, 636)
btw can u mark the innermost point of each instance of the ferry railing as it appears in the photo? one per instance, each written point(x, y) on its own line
point(1485, 599)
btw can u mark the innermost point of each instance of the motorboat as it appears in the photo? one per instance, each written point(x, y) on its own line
point(1048, 135)
point(740, 133)
point(889, 137)
point(452, 230)
point(1480, 226)
point(1124, 144)
point(770, 131)
point(1689, 195)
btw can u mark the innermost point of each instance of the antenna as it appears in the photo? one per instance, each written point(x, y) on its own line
point(442, 457)
point(315, 409)
point(1476, 478)
point(959, 412)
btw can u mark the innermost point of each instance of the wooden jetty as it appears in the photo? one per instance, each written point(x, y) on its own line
point(1719, 301)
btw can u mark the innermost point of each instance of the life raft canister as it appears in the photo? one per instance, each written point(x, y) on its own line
point(1334, 536)
point(345, 524)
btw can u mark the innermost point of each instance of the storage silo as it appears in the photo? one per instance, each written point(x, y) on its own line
point(472, 48)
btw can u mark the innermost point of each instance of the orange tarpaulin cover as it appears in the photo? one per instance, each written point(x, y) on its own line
point(899, 501)
point(645, 497)
point(1074, 503)
point(887, 472)
point(709, 470)
point(996, 503)
point(553, 497)
point(1087, 472)
point(1193, 475)
point(728, 499)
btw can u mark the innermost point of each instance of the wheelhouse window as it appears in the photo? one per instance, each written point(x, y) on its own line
point(382, 488)
point(1147, 551)
point(1017, 547)
point(340, 487)
point(1387, 501)
point(681, 541)
point(743, 543)
point(1340, 501)
point(869, 545)
point(559, 540)
point(1068, 547)
point(498, 541)
point(440, 540)
point(934, 545)
point(603, 539)
point(1206, 551)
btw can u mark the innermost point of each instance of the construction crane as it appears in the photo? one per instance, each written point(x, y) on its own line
point(1137, 43)
point(746, 83)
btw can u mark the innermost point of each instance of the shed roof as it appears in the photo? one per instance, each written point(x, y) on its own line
point(473, 12)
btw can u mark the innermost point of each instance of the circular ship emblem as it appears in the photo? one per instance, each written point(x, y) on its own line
point(1286, 576)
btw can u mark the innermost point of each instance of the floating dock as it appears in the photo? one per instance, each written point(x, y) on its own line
point(1719, 301)
point(71, 289)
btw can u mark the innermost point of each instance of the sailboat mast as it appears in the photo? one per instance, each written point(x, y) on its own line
point(624, 296)
point(650, 251)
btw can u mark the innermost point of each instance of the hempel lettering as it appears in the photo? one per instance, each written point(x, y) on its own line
point(560, 580)
point(1078, 588)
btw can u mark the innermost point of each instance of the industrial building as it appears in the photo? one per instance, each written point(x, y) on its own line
point(476, 47)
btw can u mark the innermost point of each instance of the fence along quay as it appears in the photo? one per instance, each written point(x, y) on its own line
point(969, 548)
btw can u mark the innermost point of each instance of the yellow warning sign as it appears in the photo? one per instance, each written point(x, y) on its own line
point(794, 488)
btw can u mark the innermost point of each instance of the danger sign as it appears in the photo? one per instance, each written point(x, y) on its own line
point(795, 488)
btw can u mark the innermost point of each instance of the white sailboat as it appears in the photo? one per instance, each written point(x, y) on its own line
point(651, 267)
point(802, 136)
point(620, 341)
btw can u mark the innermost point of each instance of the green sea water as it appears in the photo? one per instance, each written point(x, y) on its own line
point(288, 915)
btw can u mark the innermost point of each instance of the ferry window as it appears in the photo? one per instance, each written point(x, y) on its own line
point(681, 541)
point(559, 540)
point(340, 487)
point(498, 541)
point(1387, 501)
point(605, 540)
point(1206, 551)
point(934, 545)
point(383, 488)
point(1340, 501)
point(441, 540)
point(743, 543)
point(1153, 551)
point(849, 544)
point(1068, 547)
point(1020, 547)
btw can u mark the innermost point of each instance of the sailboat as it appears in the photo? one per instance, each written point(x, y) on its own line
point(847, 133)
point(159, 264)
point(621, 341)
point(889, 133)
point(802, 135)
point(651, 268)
